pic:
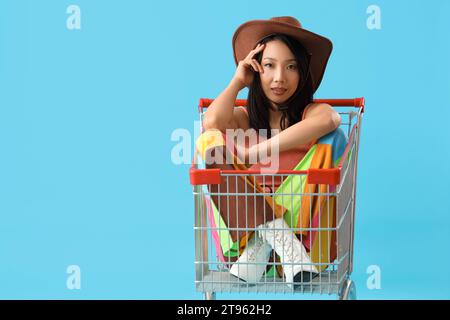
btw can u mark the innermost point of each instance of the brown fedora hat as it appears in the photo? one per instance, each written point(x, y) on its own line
point(247, 36)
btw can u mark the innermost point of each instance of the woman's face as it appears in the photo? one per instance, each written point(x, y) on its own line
point(281, 76)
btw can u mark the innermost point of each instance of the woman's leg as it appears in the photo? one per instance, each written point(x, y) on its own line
point(296, 262)
point(238, 209)
point(253, 261)
point(240, 203)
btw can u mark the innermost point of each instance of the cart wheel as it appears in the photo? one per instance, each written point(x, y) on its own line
point(210, 296)
point(348, 291)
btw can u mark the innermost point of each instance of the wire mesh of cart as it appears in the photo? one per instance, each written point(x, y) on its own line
point(262, 262)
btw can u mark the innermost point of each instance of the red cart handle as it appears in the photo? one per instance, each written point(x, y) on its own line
point(355, 102)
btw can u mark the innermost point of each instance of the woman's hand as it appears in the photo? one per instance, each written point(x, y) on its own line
point(244, 71)
point(248, 154)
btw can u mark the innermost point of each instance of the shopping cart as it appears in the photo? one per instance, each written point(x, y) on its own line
point(338, 184)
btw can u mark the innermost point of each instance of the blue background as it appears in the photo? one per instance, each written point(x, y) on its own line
point(86, 118)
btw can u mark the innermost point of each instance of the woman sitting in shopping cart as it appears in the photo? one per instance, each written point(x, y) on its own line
point(282, 65)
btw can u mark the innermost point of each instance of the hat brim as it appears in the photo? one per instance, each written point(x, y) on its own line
point(250, 33)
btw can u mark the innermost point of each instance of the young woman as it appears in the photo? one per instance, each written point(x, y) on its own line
point(282, 77)
point(282, 64)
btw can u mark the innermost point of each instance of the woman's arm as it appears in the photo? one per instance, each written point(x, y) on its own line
point(220, 113)
point(319, 120)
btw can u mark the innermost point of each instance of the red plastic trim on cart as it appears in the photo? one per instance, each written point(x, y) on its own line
point(355, 102)
point(204, 176)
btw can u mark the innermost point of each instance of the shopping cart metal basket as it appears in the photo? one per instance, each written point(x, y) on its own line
point(213, 265)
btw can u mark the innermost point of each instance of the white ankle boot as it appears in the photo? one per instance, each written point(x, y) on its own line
point(253, 261)
point(292, 253)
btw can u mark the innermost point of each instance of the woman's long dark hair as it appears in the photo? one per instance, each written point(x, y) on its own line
point(257, 102)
